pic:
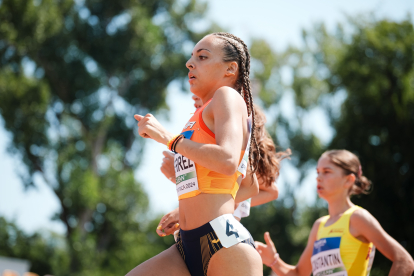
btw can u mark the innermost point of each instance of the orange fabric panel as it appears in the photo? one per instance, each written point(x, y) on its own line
point(209, 181)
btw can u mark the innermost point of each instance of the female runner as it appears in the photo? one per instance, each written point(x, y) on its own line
point(344, 242)
point(267, 172)
point(209, 152)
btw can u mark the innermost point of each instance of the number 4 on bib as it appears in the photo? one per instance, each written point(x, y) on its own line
point(231, 232)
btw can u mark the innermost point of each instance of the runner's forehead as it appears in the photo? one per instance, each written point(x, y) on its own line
point(209, 43)
point(324, 162)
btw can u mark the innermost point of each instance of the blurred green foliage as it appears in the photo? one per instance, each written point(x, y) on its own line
point(72, 74)
point(45, 252)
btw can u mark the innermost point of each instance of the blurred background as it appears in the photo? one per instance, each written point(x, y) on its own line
point(82, 194)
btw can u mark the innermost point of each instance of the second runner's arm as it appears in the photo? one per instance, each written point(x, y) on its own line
point(303, 268)
point(265, 195)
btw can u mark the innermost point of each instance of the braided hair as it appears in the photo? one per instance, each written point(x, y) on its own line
point(236, 50)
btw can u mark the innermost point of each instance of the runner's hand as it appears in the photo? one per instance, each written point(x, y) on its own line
point(168, 224)
point(167, 166)
point(149, 127)
point(267, 251)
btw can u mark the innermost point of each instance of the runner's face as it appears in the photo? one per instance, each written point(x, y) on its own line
point(207, 70)
point(331, 180)
point(197, 101)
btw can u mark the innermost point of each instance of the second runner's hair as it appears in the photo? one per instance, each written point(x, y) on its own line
point(269, 163)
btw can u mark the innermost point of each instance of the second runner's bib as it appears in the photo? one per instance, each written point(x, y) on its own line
point(326, 258)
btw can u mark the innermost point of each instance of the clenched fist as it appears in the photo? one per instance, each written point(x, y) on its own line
point(149, 127)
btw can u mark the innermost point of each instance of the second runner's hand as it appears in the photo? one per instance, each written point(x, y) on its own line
point(168, 224)
point(167, 167)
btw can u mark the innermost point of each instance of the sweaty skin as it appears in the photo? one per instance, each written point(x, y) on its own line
point(226, 115)
point(169, 223)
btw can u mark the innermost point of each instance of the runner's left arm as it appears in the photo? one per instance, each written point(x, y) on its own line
point(249, 187)
point(265, 194)
point(167, 166)
point(368, 227)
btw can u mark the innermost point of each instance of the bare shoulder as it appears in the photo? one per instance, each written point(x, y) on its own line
point(362, 218)
point(363, 224)
point(317, 222)
point(227, 96)
point(226, 91)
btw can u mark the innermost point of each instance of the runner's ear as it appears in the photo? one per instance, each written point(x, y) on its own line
point(232, 69)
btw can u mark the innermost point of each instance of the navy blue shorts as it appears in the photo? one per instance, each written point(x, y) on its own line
point(197, 246)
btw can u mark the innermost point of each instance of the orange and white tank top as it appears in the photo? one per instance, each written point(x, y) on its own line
point(336, 252)
point(193, 179)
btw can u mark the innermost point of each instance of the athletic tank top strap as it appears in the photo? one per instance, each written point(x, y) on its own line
point(322, 223)
point(192, 178)
point(340, 226)
point(201, 121)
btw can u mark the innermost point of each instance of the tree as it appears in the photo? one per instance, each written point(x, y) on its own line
point(72, 74)
point(45, 254)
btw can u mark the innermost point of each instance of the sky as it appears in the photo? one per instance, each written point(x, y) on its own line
point(278, 22)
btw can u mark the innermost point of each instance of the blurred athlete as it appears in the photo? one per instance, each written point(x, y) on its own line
point(344, 242)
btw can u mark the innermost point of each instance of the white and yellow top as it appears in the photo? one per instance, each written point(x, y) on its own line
point(336, 252)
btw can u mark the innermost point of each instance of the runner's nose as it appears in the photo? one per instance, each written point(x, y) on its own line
point(189, 64)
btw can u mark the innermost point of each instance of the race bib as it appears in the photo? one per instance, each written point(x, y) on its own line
point(243, 210)
point(229, 230)
point(185, 171)
point(326, 258)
